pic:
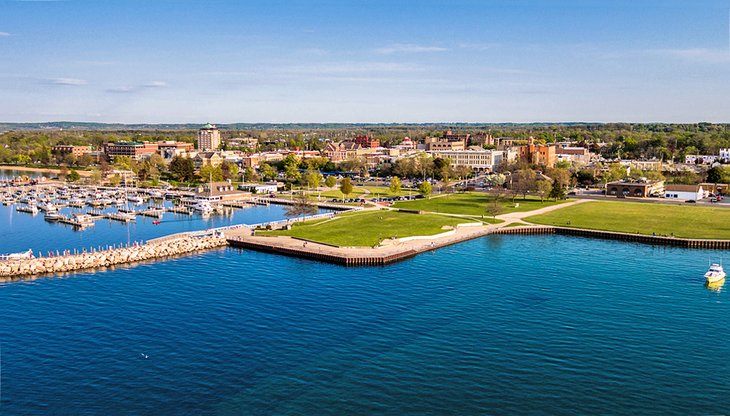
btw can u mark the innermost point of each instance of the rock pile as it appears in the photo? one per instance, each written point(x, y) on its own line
point(106, 258)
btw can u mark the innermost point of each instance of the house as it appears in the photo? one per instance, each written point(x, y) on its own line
point(261, 188)
point(208, 158)
point(685, 192)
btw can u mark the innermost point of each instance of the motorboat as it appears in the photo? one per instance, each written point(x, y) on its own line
point(715, 274)
point(135, 199)
point(52, 215)
point(203, 207)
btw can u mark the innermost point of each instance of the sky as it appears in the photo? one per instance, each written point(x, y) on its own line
point(278, 61)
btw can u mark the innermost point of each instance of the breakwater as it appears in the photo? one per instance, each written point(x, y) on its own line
point(111, 257)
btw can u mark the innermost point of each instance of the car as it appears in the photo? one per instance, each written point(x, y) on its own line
point(713, 200)
point(691, 201)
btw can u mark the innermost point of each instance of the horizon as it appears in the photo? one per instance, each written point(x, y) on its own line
point(323, 62)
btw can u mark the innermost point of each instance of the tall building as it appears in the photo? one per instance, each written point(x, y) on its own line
point(209, 138)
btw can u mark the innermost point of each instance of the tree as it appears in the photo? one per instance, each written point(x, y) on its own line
point(494, 207)
point(301, 206)
point(714, 175)
point(229, 170)
point(425, 189)
point(331, 181)
point(346, 187)
point(395, 185)
point(96, 176)
point(63, 172)
point(182, 168)
point(249, 174)
point(115, 180)
point(313, 178)
point(73, 176)
point(523, 181)
point(267, 171)
point(211, 173)
point(543, 188)
point(557, 191)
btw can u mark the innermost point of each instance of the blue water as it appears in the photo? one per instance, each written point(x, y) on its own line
point(527, 325)
point(21, 231)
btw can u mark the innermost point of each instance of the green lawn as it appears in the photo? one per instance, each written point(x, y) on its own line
point(368, 228)
point(335, 193)
point(472, 203)
point(643, 218)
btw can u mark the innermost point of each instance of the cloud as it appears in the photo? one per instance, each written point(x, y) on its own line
point(155, 84)
point(353, 68)
point(128, 89)
point(703, 55)
point(66, 81)
point(479, 46)
point(4, 34)
point(408, 48)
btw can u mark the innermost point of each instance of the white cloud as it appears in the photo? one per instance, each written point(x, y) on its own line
point(408, 48)
point(4, 34)
point(695, 54)
point(353, 68)
point(155, 84)
point(66, 81)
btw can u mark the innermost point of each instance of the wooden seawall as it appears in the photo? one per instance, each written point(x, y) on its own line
point(342, 259)
point(611, 235)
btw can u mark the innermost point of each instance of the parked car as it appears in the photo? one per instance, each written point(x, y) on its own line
point(691, 201)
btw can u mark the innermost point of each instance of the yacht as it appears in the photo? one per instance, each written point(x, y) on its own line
point(18, 256)
point(715, 273)
point(204, 207)
point(135, 199)
point(52, 215)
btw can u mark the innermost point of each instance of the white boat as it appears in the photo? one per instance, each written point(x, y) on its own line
point(32, 209)
point(18, 256)
point(135, 199)
point(52, 216)
point(203, 207)
point(715, 273)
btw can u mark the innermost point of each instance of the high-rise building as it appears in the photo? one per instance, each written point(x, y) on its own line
point(209, 138)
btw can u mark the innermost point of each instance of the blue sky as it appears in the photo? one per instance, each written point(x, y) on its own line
point(364, 61)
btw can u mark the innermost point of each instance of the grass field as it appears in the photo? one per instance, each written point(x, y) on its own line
point(471, 203)
point(642, 218)
point(368, 228)
point(362, 191)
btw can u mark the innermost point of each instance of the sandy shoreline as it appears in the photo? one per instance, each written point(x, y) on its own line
point(40, 170)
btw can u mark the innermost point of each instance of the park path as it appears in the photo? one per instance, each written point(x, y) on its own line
point(519, 216)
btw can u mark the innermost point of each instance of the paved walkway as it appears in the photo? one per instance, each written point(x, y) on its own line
point(519, 216)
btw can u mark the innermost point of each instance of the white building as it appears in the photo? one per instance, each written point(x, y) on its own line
point(260, 188)
point(475, 158)
point(685, 192)
point(725, 155)
point(701, 159)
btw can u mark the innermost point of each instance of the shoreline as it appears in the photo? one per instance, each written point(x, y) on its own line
point(381, 256)
point(41, 170)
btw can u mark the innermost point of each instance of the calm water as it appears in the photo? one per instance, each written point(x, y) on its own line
point(21, 231)
point(501, 325)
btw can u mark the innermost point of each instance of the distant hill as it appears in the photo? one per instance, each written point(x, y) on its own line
point(76, 125)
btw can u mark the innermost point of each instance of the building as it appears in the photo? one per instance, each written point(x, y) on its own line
point(475, 157)
point(337, 152)
point(209, 138)
point(261, 188)
point(579, 155)
point(482, 139)
point(75, 151)
point(135, 150)
point(701, 159)
point(639, 189)
point(406, 145)
point(169, 149)
point(247, 142)
point(220, 191)
point(685, 192)
point(537, 154)
point(725, 155)
point(208, 158)
point(367, 142)
point(442, 144)
point(253, 160)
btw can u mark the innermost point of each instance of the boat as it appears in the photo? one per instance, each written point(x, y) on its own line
point(156, 222)
point(32, 209)
point(135, 199)
point(715, 273)
point(203, 207)
point(26, 255)
point(52, 216)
